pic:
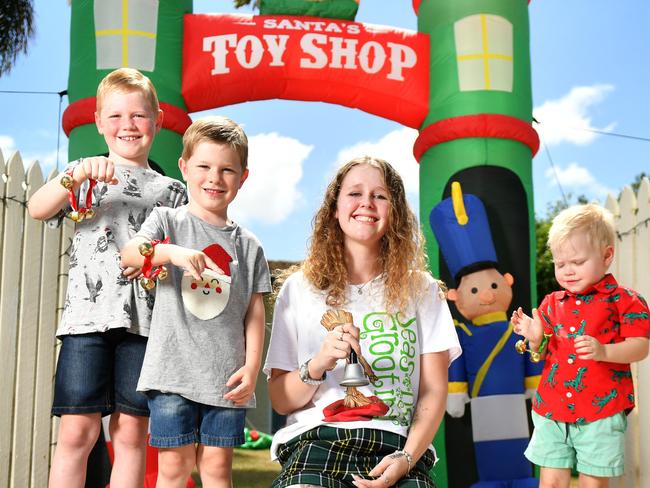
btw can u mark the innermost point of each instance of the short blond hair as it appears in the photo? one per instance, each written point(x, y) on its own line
point(596, 222)
point(128, 80)
point(219, 130)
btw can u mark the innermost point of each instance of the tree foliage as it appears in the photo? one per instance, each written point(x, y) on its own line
point(241, 3)
point(16, 28)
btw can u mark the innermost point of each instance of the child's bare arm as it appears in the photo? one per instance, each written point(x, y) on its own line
point(254, 331)
point(191, 260)
point(631, 350)
point(245, 378)
point(52, 197)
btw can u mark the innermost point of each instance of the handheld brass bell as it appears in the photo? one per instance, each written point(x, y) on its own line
point(354, 375)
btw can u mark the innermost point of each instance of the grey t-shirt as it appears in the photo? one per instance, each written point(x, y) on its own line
point(197, 329)
point(99, 297)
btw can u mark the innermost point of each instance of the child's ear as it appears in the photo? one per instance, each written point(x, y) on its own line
point(244, 177)
point(452, 294)
point(159, 120)
point(609, 255)
point(182, 165)
point(98, 123)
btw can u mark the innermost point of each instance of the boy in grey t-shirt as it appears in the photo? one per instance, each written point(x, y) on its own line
point(207, 329)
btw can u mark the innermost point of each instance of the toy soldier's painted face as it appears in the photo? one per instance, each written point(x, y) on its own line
point(483, 292)
point(206, 298)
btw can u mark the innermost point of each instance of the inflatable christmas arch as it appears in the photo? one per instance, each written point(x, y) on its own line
point(462, 80)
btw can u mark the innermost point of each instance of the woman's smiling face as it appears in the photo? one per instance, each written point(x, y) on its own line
point(363, 205)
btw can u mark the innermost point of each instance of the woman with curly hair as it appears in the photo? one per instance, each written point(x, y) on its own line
point(363, 287)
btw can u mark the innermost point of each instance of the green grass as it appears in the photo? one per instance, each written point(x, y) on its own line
point(252, 468)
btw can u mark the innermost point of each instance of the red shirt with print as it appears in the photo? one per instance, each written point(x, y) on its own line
point(583, 390)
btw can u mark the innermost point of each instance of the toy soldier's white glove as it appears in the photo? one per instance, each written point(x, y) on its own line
point(456, 404)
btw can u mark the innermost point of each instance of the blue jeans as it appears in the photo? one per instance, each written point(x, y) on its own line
point(99, 372)
point(177, 421)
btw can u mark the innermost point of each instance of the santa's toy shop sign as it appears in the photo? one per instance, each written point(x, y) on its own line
point(234, 58)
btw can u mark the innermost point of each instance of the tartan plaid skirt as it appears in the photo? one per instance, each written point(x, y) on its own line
point(327, 456)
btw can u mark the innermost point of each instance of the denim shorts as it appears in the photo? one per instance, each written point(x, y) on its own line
point(596, 448)
point(177, 421)
point(98, 372)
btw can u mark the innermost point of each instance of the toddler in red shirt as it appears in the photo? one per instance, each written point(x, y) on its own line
point(591, 331)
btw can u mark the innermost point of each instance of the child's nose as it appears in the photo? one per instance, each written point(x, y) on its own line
point(129, 122)
point(214, 174)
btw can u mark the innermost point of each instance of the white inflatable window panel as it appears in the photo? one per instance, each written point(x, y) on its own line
point(125, 33)
point(484, 53)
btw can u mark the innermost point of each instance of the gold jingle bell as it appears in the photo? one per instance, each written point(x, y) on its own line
point(145, 249)
point(520, 346)
point(67, 182)
point(89, 213)
point(535, 356)
point(75, 216)
point(147, 283)
point(163, 273)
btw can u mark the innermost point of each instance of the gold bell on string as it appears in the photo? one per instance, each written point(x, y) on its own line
point(75, 216)
point(147, 283)
point(89, 213)
point(67, 182)
point(163, 273)
point(520, 346)
point(535, 356)
point(145, 249)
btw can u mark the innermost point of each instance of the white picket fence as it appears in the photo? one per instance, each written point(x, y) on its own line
point(632, 268)
point(33, 277)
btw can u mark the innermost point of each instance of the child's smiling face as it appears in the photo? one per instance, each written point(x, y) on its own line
point(129, 125)
point(214, 175)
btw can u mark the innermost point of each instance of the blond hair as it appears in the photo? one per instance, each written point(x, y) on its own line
point(401, 248)
point(128, 80)
point(219, 130)
point(596, 222)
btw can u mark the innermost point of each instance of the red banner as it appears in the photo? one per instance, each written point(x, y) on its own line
point(230, 59)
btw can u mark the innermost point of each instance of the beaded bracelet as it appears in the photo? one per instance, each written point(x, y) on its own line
point(535, 356)
point(149, 272)
point(404, 454)
point(78, 214)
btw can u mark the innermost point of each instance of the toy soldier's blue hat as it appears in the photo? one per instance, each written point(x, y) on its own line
point(461, 227)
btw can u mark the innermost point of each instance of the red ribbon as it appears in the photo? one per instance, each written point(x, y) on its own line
point(337, 412)
point(148, 271)
point(72, 198)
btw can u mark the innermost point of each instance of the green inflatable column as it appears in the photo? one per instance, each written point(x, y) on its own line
point(109, 34)
point(478, 132)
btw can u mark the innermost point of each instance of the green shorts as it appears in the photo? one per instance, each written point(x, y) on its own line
point(596, 448)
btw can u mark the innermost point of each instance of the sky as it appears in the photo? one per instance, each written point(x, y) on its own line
point(590, 74)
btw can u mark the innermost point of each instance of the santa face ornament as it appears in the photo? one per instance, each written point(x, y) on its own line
point(206, 298)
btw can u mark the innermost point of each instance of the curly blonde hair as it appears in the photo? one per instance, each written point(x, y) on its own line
point(401, 248)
